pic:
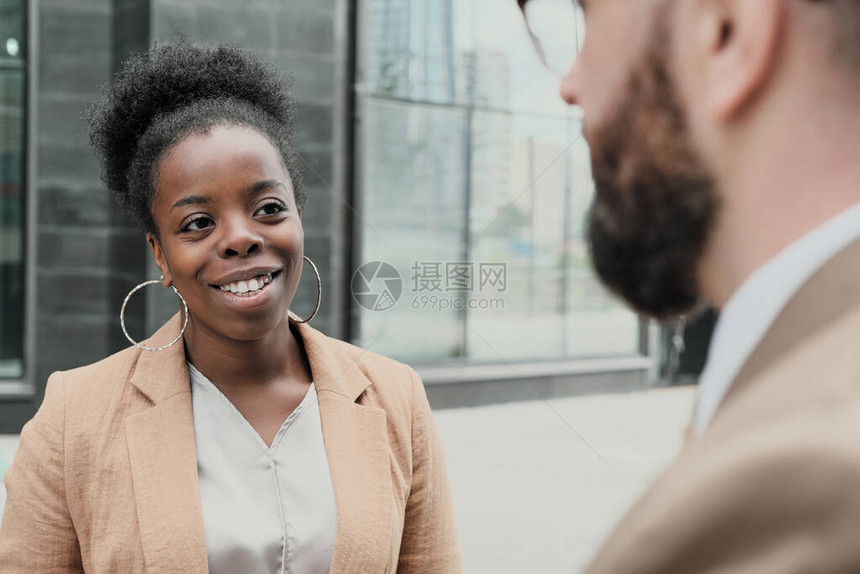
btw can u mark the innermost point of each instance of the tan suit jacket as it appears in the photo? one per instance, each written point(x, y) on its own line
point(773, 484)
point(105, 477)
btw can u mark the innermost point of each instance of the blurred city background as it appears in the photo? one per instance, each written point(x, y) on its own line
point(448, 186)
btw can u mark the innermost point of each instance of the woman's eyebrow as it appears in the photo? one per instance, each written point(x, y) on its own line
point(191, 200)
point(254, 189)
point(264, 185)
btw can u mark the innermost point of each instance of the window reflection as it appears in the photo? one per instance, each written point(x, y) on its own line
point(468, 155)
point(413, 210)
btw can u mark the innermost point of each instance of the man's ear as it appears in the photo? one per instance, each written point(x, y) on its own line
point(160, 260)
point(743, 39)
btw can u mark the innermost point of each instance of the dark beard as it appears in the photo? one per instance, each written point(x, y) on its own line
point(655, 202)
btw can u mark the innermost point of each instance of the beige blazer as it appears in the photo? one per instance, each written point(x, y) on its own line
point(105, 477)
point(773, 484)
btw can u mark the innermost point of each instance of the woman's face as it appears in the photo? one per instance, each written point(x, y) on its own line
point(230, 236)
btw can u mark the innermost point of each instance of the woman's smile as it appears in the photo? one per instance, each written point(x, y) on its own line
point(257, 290)
point(246, 287)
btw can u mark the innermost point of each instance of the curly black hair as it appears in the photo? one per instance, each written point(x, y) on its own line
point(173, 90)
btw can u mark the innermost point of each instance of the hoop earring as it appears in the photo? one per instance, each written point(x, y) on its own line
point(122, 317)
point(295, 317)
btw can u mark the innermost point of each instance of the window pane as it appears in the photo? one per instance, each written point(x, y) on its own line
point(448, 52)
point(508, 73)
point(12, 98)
point(413, 210)
point(519, 178)
point(468, 156)
point(415, 49)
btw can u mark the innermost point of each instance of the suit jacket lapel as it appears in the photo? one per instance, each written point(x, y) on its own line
point(163, 456)
point(356, 442)
point(356, 445)
point(798, 335)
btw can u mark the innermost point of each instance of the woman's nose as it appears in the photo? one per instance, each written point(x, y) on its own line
point(240, 239)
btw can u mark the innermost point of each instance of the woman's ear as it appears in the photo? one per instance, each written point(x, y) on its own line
point(160, 260)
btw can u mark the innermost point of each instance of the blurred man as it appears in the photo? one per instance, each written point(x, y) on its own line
point(725, 140)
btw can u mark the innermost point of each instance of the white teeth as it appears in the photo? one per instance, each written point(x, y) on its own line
point(249, 286)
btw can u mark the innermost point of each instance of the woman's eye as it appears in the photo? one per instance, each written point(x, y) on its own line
point(271, 208)
point(197, 224)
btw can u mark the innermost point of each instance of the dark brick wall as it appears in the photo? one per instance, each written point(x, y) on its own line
point(78, 232)
point(85, 254)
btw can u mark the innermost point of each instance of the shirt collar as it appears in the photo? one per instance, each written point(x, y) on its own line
point(752, 309)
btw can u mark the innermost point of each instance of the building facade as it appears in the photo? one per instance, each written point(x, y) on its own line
point(447, 189)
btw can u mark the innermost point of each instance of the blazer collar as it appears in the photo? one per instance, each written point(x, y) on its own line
point(334, 365)
point(357, 448)
point(163, 458)
point(827, 298)
point(160, 375)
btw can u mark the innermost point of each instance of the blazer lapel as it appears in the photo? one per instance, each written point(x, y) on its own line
point(356, 445)
point(163, 456)
point(830, 296)
point(356, 442)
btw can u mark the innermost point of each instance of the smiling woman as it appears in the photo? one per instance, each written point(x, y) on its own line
point(226, 217)
point(237, 438)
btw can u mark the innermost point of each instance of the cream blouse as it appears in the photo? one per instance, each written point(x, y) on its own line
point(265, 509)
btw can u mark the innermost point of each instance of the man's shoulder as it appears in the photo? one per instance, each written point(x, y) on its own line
point(808, 448)
point(747, 498)
point(819, 441)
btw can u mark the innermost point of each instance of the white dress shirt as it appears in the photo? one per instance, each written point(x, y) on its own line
point(754, 307)
point(265, 509)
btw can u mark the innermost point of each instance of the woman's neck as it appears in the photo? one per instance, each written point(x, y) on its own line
point(232, 363)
